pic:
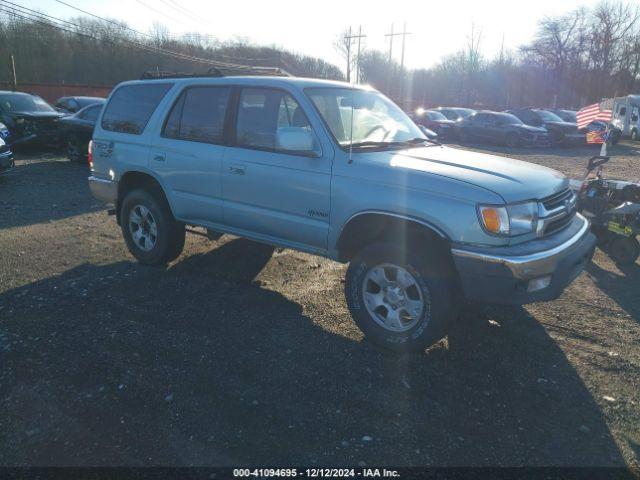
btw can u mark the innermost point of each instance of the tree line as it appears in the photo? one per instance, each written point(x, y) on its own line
point(573, 59)
point(87, 51)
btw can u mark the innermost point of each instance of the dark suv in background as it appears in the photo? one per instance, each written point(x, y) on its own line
point(560, 132)
point(501, 128)
point(29, 118)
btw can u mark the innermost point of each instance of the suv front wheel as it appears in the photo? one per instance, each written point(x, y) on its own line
point(401, 300)
point(151, 233)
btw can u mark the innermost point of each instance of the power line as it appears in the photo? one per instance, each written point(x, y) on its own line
point(104, 19)
point(177, 8)
point(29, 14)
point(34, 16)
point(159, 12)
point(185, 9)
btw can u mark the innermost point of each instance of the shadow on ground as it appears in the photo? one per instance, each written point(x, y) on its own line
point(200, 364)
point(42, 191)
point(622, 288)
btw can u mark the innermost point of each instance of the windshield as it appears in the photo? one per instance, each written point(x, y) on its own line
point(567, 116)
point(22, 102)
point(436, 116)
point(464, 112)
point(508, 119)
point(375, 118)
point(549, 117)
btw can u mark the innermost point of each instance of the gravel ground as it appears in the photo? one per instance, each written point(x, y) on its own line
point(238, 353)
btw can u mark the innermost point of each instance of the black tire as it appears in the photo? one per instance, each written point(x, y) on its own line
point(512, 140)
point(433, 280)
point(170, 234)
point(74, 149)
point(624, 250)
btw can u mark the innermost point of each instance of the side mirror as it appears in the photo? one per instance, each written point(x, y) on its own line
point(296, 140)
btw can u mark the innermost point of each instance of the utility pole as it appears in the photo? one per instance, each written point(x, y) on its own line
point(14, 79)
point(348, 38)
point(402, 79)
point(392, 34)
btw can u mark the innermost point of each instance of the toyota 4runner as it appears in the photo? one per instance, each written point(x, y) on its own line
point(339, 171)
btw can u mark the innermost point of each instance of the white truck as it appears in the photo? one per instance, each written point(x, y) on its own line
point(626, 116)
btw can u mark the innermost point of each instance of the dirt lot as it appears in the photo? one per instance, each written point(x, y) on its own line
point(241, 354)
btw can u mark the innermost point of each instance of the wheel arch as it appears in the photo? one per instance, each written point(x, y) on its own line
point(138, 179)
point(369, 226)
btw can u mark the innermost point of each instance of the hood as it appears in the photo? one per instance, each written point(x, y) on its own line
point(512, 179)
point(36, 114)
point(562, 126)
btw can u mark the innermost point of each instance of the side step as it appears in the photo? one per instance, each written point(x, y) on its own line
point(210, 234)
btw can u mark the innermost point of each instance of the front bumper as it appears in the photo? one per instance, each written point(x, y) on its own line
point(504, 274)
point(6, 161)
point(104, 190)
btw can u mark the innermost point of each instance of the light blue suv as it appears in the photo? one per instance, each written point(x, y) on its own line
point(338, 171)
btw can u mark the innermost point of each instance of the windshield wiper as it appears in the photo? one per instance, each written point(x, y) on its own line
point(400, 143)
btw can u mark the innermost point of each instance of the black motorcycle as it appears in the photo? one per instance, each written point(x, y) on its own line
point(613, 207)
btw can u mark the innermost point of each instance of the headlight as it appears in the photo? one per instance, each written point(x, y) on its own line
point(511, 220)
point(2, 144)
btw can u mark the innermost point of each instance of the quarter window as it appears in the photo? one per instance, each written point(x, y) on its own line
point(262, 112)
point(131, 107)
point(198, 115)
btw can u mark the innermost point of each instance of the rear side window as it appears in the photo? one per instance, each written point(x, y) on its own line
point(198, 115)
point(131, 107)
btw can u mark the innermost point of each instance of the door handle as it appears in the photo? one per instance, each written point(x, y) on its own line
point(237, 169)
point(159, 157)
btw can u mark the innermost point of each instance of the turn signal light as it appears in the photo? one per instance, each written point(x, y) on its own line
point(495, 219)
point(90, 155)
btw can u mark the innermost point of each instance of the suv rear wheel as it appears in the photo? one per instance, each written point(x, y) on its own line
point(400, 300)
point(151, 233)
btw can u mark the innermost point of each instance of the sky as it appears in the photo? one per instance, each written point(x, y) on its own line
point(437, 27)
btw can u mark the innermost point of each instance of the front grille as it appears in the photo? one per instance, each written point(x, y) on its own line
point(558, 224)
point(556, 212)
point(557, 199)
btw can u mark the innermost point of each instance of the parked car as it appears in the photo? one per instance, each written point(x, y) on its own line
point(436, 122)
point(340, 171)
point(456, 114)
point(76, 131)
point(29, 118)
point(566, 115)
point(75, 104)
point(501, 128)
point(6, 157)
point(560, 132)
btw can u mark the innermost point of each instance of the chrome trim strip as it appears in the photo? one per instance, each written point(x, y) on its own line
point(533, 265)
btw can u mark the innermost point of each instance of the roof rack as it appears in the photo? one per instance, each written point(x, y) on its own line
point(220, 71)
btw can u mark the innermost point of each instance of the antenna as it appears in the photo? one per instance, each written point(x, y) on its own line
point(351, 130)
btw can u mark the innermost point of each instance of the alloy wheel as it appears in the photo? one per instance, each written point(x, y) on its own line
point(393, 297)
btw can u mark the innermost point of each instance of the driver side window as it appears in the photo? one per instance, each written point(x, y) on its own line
point(262, 112)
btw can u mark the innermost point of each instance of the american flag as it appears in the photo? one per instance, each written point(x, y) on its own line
point(591, 113)
point(599, 136)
